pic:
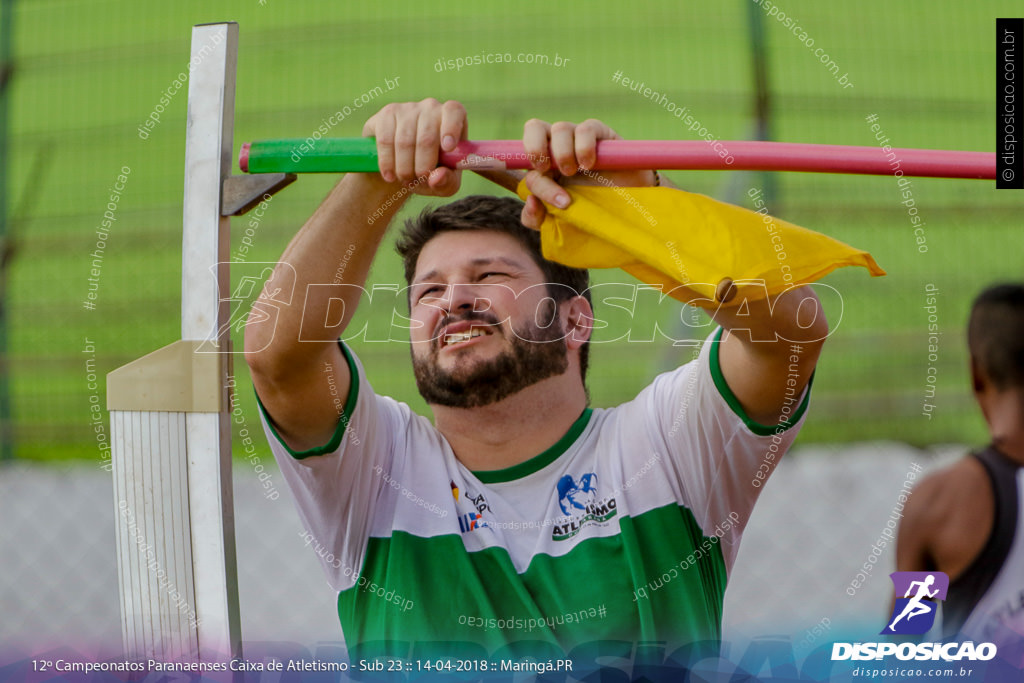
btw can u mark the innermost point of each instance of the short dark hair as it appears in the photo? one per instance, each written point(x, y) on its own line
point(500, 214)
point(995, 334)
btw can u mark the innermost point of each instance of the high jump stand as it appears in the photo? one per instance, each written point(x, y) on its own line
point(169, 410)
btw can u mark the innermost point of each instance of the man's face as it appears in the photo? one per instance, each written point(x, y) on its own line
point(483, 325)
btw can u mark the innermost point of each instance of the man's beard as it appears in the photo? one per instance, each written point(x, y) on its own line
point(536, 353)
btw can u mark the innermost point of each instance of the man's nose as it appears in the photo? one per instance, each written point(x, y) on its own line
point(464, 298)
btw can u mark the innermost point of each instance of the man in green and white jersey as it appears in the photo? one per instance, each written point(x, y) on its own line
point(520, 519)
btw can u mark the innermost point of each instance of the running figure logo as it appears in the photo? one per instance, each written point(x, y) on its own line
point(917, 596)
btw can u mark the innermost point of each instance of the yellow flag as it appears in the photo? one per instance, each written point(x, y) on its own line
point(689, 243)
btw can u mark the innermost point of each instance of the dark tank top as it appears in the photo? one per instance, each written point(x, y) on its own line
point(967, 589)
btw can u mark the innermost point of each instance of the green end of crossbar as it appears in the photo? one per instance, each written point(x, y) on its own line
point(326, 155)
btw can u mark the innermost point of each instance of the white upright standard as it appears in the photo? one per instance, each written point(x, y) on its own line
point(169, 415)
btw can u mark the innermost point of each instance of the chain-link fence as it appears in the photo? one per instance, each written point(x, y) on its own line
point(812, 531)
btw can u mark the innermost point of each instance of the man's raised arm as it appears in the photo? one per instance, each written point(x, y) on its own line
point(769, 350)
point(298, 381)
point(770, 346)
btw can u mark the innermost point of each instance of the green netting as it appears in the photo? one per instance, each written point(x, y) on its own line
point(89, 75)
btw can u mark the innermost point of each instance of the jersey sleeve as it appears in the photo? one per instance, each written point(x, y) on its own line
point(718, 459)
point(337, 486)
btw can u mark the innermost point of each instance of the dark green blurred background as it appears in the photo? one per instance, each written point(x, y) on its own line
point(88, 74)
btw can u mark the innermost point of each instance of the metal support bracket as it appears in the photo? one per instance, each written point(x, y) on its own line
point(243, 192)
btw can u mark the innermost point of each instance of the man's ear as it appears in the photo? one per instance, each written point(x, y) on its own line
point(579, 322)
point(978, 380)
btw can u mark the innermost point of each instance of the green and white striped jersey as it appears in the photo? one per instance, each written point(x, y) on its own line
point(626, 529)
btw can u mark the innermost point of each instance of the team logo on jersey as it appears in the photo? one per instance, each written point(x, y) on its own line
point(478, 501)
point(917, 596)
point(580, 505)
point(471, 521)
point(575, 496)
